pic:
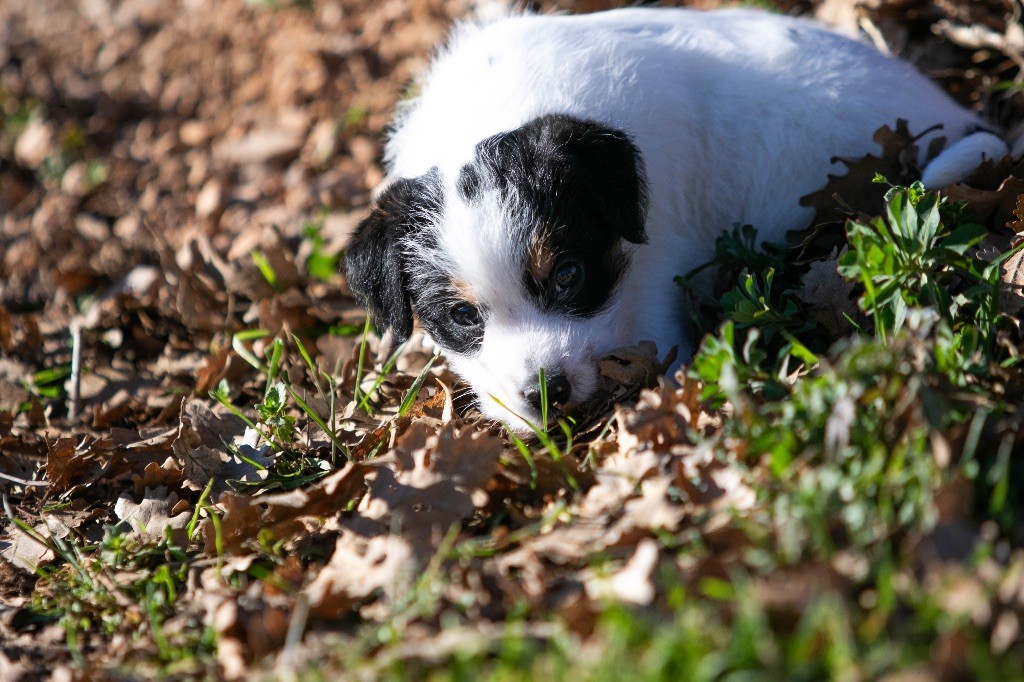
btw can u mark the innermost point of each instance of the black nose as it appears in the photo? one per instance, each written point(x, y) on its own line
point(558, 391)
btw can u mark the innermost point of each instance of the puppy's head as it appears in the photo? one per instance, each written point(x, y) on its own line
point(512, 262)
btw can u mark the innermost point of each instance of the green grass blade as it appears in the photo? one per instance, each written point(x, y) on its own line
point(417, 384)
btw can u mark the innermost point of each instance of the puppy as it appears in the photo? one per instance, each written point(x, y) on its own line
point(556, 172)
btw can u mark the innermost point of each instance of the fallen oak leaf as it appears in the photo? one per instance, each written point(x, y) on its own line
point(993, 207)
point(635, 365)
point(248, 625)
point(358, 568)
point(1018, 224)
point(150, 518)
point(257, 254)
point(245, 516)
point(431, 481)
point(621, 373)
point(829, 295)
point(653, 510)
point(856, 189)
point(201, 447)
point(661, 419)
point(630, 584)
point(168, 474)
point(27, 551)
point(65, 463)
point(596, 517)
point(1011, 290)
point(195, 277)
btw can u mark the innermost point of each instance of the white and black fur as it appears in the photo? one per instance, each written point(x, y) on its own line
point(556, 172)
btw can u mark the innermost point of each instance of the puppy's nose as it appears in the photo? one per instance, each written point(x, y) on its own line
point(558, 391)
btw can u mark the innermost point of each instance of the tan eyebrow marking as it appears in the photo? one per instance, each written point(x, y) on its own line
point(541, 257)
point(465, 291)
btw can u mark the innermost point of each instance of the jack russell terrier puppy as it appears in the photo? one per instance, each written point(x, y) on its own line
point(556, 172)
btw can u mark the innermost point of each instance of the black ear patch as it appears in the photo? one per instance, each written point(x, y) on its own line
point(375, 260)
point(606, 165)
point(576, 190)
point(560, 158)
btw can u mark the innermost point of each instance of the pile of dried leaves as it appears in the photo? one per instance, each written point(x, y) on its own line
point(207, 469)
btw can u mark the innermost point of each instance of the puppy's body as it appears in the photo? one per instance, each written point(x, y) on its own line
point(622, 144)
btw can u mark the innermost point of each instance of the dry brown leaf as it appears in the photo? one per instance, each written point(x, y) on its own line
point(855, 189)
point(1018, 212)
point(248, 626)
point(65, 464)
point(993, 207)
point(567, 544)
point(359, 567)
point(241, 520)
point(829, 296)
point(244, 516)
point(630, 584)
point(653, 510)
point(634, 365)
point(201, 446)
point(23, 550)
point(167, 474)
point(243, 276)
point(736, 493)
point(430, 481)
point(1011, 291)
point(602, 518)
point(138, 287)
point(265, 145)
point(195, 275)
point(660, 420)
point(213, 370)
point(149, 519)
point(6, 330)
point(13, 378)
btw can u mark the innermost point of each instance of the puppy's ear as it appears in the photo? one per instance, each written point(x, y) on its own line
point(602, 164)
point(374, 260)
point(613, 174)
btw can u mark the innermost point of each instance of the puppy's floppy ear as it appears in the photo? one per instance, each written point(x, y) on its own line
point(374, 260)
point(609, 168)
point(614, 173)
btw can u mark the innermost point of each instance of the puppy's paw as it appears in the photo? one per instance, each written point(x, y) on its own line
point(962, 158)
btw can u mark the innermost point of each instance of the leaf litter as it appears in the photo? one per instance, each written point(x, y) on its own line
point(250, 488)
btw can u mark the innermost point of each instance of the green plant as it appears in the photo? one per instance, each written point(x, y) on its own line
point(320, 264)
point(275, 413)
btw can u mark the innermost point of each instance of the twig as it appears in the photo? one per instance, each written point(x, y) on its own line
point(288, 661)
point(22, 481)
point(76, 370)
point(876, 36)
point(1010, 43)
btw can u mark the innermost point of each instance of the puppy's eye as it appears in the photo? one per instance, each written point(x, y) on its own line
point(567, 275)
point(466, 315)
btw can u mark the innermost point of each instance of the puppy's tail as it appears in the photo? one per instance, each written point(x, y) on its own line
point(962, 158)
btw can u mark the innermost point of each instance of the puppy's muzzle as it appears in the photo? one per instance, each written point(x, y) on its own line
point(558, 388)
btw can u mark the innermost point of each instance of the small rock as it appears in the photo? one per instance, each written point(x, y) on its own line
point(91, 227)
point(263, 145)
point(323, 142)
point(198, 169)
point(34, 144)
point(141, 282)
point(127, 227)
point(363, 150)
point(75, 182)
point(193, 133)
point(339, 227)
point(210, 199)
